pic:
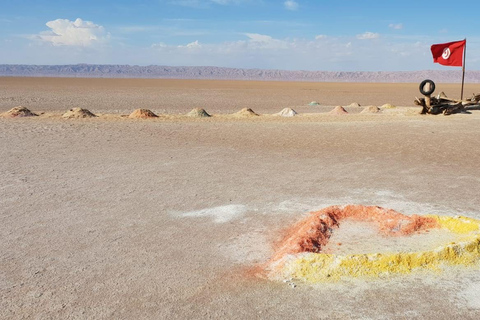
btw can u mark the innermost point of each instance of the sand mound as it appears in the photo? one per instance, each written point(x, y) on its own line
point(314, 103)
point(142, 114)
point(287, 112)
point(388, 106)
point(246, 112)
point(371, 109)
point(19, 112)
point(354, 104)
point(198, 113)
point(338, 110)
point(78, 113)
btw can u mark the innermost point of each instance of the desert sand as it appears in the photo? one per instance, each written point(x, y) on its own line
point(165, 218)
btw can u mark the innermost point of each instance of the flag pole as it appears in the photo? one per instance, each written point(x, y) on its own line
point(463, 66)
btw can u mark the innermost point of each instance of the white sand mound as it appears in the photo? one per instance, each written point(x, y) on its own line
point(142, 114)
point(287, 112)
point(78, 113)
point(246, 112)
point(388, 106)
point(371, 109)
point(198, 113)
point(19, 112)
point(314, 103)
point(338, 110)
point(354, 105)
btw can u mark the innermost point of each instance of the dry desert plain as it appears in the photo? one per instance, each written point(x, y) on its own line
point(117, 218)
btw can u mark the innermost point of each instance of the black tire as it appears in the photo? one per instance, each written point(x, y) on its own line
point(432, 87)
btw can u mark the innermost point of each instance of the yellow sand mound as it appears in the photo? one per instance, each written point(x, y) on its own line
point(19, 112)
point(142, 114)
point(388, 106)
point(78, 113)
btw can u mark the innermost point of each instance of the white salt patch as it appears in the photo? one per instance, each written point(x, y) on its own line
point(357, 237)
point(219, 214)
point(471, 294)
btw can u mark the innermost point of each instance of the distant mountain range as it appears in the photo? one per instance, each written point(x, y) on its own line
point(452, 75)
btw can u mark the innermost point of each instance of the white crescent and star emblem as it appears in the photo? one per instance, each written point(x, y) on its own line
point(446, 53)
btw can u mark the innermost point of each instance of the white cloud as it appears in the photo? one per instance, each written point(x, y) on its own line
point(264, 41)
point(320, 36)
point(64, 32)
point(194, 44)
point(368, 35)
point(396, 26)
point(291, 5)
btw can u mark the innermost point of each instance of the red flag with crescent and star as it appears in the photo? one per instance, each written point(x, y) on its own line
point(449, 54)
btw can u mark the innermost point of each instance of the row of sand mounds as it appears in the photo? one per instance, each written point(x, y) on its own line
point(357, 105)
point(76, 113)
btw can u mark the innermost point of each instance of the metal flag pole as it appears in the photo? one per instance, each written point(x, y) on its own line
point(463, 66)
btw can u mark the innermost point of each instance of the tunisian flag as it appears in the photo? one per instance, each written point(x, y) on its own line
point(449, 54)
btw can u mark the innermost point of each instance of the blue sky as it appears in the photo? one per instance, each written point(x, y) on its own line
point(291, 35)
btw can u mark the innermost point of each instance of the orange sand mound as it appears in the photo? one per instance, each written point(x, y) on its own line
point(78, 113)
point(338, 110)
point(19, 112)
point(313, 232)
point(142, 114)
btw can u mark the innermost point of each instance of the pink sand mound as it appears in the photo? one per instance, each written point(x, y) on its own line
point(338, 110)
point(78, 113)
point(142, 114)
point(19, 112)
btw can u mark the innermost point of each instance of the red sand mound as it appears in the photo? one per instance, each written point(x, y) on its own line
point(142, 114)
point(313, 232)
point(338, 110)
point(19, 112)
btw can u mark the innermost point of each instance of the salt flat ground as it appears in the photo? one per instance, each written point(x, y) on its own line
point(161, 219)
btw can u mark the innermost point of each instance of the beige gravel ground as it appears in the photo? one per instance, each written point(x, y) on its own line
point(116, 218)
